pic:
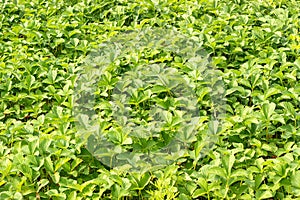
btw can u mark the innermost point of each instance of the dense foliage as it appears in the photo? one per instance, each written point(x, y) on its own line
point(253, 45)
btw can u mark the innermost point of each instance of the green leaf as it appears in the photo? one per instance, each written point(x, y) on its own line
point(48, 164)
point(228, 161)
point(42, 183)
point(268, 109)
point(199, 193)
point(30, 81)
point(295, 180)
point(158, 89)
point(26, 170)
point(55, 177)
point(218, 171)
point(289, 108)
point(139, 181)
point(270, 92)
point(203, 184)
point(258, 180)
point(264, 194)
point(60, 162)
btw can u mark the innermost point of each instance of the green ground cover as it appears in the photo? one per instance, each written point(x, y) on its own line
point(253, 49)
